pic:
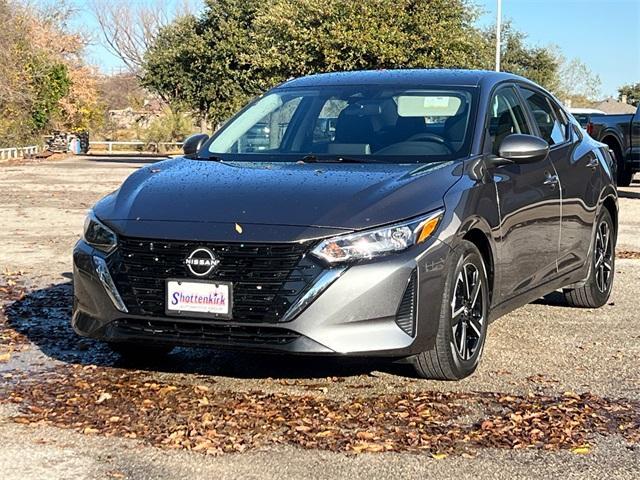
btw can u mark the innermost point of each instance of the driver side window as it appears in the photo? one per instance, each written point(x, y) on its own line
point(506, 117)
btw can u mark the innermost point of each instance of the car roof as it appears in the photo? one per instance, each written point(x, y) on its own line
point(440, 77)
point(585, 111)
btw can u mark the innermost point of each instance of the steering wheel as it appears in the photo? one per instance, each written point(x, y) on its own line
point(426, 137)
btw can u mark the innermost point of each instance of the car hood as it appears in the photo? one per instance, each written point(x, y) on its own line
point(333, 196)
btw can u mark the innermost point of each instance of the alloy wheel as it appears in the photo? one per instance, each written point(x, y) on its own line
point(603, 257)
point(467, 318)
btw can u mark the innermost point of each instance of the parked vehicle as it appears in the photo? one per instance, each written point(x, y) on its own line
point(622, 134)
point(435, 203)
point(583, 115)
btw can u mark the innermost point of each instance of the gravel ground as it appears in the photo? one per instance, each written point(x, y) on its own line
point(543, 348)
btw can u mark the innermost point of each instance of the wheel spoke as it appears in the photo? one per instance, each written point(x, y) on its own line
point(466, 283)
point(475, 293)
point(603, 257)
point(463, 340)
point(456, 313)
point(599, 276)
point(476, 325)
point(605, 238)
point(467, 312)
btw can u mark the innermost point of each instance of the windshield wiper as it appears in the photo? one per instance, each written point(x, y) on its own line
point(337, 159)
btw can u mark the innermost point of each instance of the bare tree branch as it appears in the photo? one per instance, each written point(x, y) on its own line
point(129, 27)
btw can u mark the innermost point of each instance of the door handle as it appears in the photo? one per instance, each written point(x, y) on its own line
point(551, 180)
point(593, 162)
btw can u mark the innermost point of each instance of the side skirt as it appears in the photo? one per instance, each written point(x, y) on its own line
point(569, 279)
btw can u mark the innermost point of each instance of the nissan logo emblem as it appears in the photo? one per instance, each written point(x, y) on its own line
point(201, 262)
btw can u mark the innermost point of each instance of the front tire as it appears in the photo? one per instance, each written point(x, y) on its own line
point(597, 289)
point(462, 327)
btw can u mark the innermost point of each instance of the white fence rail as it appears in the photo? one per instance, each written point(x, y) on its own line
point(18, 152)
point(136, 144)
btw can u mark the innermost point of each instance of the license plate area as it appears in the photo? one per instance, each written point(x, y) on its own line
point(198, 298)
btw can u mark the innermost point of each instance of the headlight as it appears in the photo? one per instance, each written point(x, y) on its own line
point(375, 243)
point(98, 235)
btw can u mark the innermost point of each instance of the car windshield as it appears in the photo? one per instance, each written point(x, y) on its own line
point(370, 123)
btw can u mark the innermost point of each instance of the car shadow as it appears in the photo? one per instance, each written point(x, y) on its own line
point(553, 299)
point(125, 158)
point(43, 317)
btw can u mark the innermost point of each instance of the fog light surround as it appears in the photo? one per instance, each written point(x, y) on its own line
point(107, 282)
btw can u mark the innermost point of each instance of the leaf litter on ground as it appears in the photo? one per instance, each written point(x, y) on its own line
point(116, 402)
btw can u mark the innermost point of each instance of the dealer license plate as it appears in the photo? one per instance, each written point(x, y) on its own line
point(199, 298)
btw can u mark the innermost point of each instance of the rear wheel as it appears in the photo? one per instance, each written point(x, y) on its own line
point(625, 176)
point(597, 289)
point(140, 352)
point(624, 173)
point(462, 328)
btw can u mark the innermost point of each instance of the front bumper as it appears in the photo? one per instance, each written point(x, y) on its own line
point(356, 314)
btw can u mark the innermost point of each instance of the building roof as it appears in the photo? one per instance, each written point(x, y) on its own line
point(611, 107)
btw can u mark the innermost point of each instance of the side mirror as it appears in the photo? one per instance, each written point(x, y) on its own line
point(193, 144)
point(519, 148)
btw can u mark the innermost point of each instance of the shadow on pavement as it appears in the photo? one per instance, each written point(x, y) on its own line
point(122, 158)
point(553, 299)
point(627, 194)
point(43, 316)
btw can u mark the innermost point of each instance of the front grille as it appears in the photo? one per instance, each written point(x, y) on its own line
point(267, 278)
point(203, 332)
point(406, 314)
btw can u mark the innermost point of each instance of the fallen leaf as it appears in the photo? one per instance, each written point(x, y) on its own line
point(103, 396)
point(583, 450)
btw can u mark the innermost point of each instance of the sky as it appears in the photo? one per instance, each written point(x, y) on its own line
point(603, 34)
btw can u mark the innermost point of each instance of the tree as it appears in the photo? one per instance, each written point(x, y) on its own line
point(578, 84)
point(632, 92)
point(199, 63)
point(129, 28)
point(301, 37)
point(54, 87)
point(120, 91)
point(213, 63)
point(539, 64)
point(168, 127)
point(44, 82)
